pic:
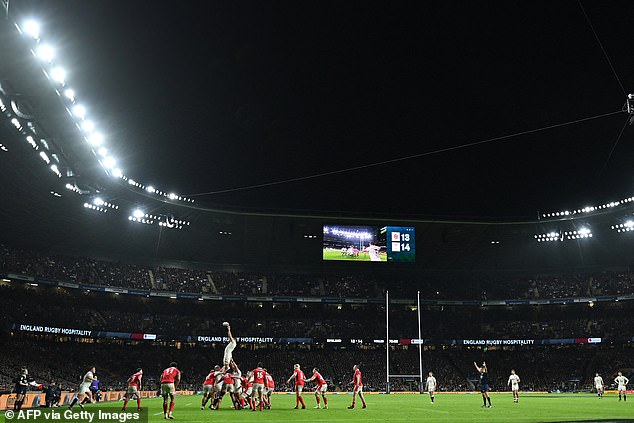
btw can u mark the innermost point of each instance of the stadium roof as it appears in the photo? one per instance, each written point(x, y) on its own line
point(207, 97)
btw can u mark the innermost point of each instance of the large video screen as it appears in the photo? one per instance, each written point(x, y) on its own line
point(369, 243)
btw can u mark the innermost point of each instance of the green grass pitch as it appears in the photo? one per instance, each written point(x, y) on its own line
point(405, 408)
point(336, 255)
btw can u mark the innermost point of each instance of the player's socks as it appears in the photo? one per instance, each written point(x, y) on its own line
point(138, 403)
point(432, 398)
point(325, 402)
point(624, 397)
point(165, 408)
point(301, 399)
point(171, 406)
point(73, 402)
point(619, 397)
point(484, 402)
point(489, 399)
point(318, 400)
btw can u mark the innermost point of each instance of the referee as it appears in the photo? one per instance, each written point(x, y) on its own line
point(484, 383)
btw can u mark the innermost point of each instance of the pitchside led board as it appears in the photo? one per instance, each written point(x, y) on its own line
point(369, 243)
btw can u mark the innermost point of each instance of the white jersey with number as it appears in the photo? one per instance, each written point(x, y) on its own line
point(88, 377)
point(621, 381)
point(598, 382)
point(514, 381)
point(431, 383)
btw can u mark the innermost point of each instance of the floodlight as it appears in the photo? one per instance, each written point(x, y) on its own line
point(629, 223)
point(88, 126)
point(79, 111)
point(58, 75)
point(131, 182)
point(108, 162)
point(151, 189)
point(103, 151)
point(69, 94)
point(98, 201)
point(44, 157)
point(16, 123)
point(584, 231)
point(32, 28)
point(96, 138)
point(138, 213)
point(117, 173)
point(45, 52)
point(172, 196)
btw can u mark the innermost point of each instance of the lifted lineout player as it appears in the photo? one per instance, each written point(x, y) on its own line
point(514, 383)
point(169, 382)
point(621, 382)
point(373, 250)
point(484, 383)
point(300, 378)
point(134, 389)
point(321, 388)
point(357, 381)
point(430, 385)
point(598, 384)
point(228, 356)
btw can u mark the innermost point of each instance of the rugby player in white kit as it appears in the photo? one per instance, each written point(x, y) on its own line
point(228, 356)
point(430, 385)
point(621, 383)
point(514, 383)
point(598, 385)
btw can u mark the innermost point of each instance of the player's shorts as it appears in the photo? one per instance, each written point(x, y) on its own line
point(484, 388)
point(21, 390)
point(218, 386)
point(599, 388)
point(299, 388)
point(322, 388)
point(358, 388)
point(132, 389)
point(269, 391)
point(249, 391)
point(258, 387)
point(228, 356)
point(229, 388)
point(208, 389)
point(167, 389)
point(84, 388)
point(515, 388)
point(431, 389)
point(621, 388)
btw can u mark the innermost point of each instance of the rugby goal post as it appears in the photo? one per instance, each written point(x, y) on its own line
point(406, 380)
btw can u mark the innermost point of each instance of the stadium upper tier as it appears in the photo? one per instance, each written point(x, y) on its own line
point(476, 287)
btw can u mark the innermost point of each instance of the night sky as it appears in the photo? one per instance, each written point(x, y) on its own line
point(204, 96)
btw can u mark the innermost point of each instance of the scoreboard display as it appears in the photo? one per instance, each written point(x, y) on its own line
point(369, 243)
point(401, 243)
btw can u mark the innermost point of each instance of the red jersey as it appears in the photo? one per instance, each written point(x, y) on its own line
point(171, 375)
point(227, 379)
point(358, 380)
point(210, 379)
point(258, 375)
point(320, 380)
point(247, 383)
point(135, 380)
point(268, 381)
point(299, 377)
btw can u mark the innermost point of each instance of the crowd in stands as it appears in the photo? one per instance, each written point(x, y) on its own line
point(190, 280)
point(21, 303)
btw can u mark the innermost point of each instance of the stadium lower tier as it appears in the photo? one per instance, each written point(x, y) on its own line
point(65, 359)
point(24, 304)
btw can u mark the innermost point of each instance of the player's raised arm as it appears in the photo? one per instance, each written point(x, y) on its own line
point(479, 369)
